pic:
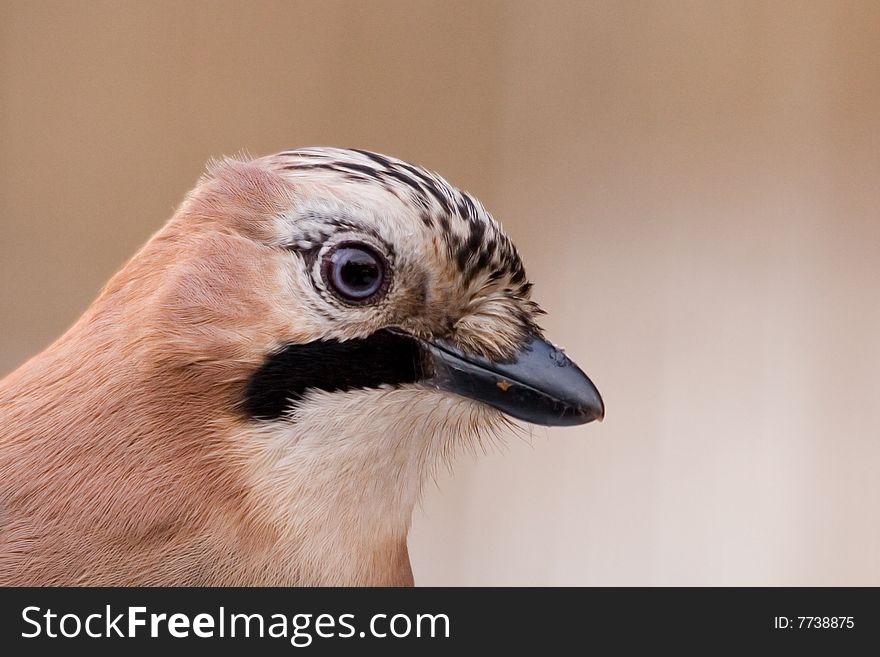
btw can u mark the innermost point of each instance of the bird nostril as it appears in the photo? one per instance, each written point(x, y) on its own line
point(557, 355)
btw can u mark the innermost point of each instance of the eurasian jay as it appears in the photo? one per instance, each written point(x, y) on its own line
point(260, 393)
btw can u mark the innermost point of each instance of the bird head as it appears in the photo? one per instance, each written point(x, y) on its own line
point(340, 321)
point(393, 278)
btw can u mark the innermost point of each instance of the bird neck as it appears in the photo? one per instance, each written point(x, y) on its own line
point(340, 479)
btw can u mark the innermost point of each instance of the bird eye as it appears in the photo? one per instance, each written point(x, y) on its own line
point(355, 272)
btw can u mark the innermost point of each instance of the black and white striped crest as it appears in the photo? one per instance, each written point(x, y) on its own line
point(473, 239)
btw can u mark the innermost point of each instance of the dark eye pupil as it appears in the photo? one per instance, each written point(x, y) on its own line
point(355, 272)
point(359, 274)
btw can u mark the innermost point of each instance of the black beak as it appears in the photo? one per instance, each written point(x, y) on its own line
point(540, 384)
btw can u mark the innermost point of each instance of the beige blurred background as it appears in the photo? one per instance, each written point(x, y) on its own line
point(694, 186)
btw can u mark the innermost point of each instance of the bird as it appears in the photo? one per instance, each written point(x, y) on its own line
point(259, 395)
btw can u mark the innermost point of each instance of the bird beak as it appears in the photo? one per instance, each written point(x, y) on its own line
point(540, 384)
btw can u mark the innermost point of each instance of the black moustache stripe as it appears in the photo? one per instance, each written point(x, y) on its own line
point(383, 358)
